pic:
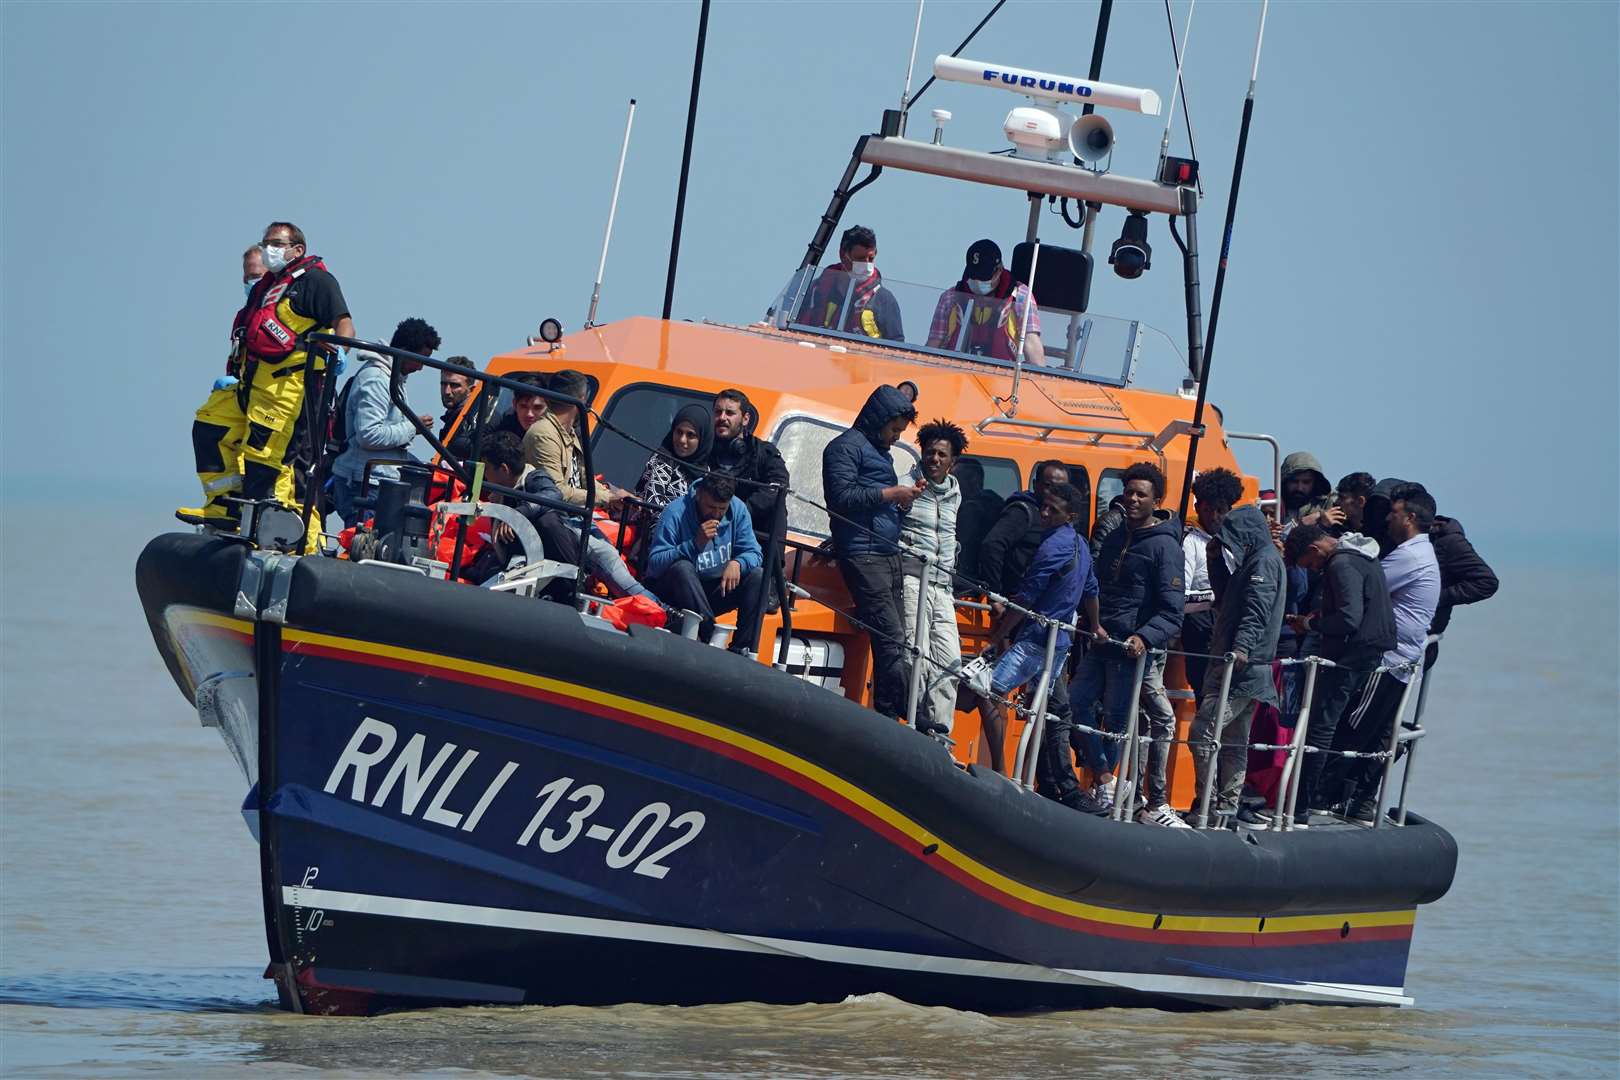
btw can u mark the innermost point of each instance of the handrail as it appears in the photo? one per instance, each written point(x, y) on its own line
point(1276, 455)
point(1047, 427)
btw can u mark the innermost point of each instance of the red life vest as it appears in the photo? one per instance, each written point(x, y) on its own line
point(994, 319)
point(267, 326)
point(827, 297)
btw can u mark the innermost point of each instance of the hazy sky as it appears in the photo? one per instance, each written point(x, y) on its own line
point(1423, 279)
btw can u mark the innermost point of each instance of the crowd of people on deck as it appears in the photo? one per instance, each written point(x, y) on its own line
point(1359, 574)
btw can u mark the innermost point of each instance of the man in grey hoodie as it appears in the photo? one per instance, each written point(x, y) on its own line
point(1249, 606)
point(374, 427)
point(928, 527)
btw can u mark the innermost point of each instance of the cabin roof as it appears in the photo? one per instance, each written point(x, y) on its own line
point(784, 372)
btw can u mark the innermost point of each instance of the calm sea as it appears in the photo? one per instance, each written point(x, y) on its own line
point(131, 940)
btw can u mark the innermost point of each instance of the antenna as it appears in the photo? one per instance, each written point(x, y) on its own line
point(613, 208)
point(905, 94)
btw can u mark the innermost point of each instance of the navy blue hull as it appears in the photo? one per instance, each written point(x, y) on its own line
point(542, 811)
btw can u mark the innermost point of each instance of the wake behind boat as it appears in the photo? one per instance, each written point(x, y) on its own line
point(507, 795)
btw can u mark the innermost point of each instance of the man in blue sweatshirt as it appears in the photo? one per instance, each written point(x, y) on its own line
point(1058, 578)
point(704, 558)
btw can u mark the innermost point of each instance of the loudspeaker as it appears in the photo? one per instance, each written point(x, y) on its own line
point(1091, 138)
point(1063, 279)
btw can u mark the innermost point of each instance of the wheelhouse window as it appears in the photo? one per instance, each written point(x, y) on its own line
point(801, 439)
point(1110, 485)
point(645, 411)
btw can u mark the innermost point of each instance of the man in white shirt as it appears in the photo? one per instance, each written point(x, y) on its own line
point(1413, 576)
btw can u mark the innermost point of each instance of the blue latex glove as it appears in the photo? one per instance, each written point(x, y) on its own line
point(339, 362)
point(225, 382)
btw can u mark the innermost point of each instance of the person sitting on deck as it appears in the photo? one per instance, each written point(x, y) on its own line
point(502, 454)
point(1058, 579)
point(986, 312)
point(454, 389)
point(526, 408)
point(755, 462)
point(866, 498)
point(1141, 600)
point(928, 527)
point(704, 558)
point(681, 458)
point(552, 443)
point(849, 295)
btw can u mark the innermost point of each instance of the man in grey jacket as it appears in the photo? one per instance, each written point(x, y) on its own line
point(928, 527)
point(1249, 606)
point(374, 427)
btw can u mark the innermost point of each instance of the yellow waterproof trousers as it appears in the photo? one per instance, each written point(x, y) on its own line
point(244, 438)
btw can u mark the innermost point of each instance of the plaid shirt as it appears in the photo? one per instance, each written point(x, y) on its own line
point(946, 328)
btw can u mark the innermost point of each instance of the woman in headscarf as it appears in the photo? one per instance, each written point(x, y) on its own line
point(682, 457)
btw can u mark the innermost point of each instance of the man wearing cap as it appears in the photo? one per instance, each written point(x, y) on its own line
point(987, 312)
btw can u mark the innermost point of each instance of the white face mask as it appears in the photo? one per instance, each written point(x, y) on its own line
point(247, 287)
point(982, 288)
point(860, 271)
point(275, 258)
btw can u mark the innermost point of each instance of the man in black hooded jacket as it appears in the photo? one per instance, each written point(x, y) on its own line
point(866, 497)
point(1356, 624)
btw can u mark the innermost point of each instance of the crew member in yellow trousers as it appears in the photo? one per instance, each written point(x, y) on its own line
point(245, 441)
point(221, 413)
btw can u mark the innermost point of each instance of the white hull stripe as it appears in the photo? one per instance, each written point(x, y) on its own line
point(1189, 986)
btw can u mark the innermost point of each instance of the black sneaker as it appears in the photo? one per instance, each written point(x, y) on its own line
point(1081, 800)
point(1363, 810)
point(1251, 817)
point(933, 727)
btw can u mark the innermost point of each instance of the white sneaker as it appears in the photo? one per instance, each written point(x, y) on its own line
point(1104, 793)
point(1161, 815)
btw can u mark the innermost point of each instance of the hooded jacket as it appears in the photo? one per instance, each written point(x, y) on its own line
point(376, 428)
point(1006, 550)
point(1249, 606)
point(1357, 623)
point(929, 527)
point(1139, 579)
point(854, 472)
point(1465, 578)
point(1321, 493)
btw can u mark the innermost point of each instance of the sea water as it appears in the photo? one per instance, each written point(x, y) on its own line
point(131, 938)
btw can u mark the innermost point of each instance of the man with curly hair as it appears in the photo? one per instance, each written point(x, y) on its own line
point(928, 527)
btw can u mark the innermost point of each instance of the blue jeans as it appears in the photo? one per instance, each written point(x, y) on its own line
point(1109, 678)
point(1021, 665)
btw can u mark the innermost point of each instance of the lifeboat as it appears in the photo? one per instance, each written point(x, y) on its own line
point(468, 795)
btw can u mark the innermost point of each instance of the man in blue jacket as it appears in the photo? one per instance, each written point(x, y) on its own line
point(704, 558)
point(1141, 596)
point(1058, 579)
point(865, 496)
point(375, 428)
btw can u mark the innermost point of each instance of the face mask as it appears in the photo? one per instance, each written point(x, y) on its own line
point(247, 287)
point(982, 288)
point(861, 271)
point(275, 258)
